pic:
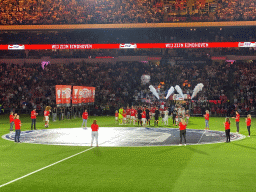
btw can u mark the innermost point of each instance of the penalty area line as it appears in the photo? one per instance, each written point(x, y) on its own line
point(45, 167)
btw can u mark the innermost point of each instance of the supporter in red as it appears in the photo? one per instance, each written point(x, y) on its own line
point(33, 118)
point(17, 123)
point(218, 111)
point(182, 127)
point(227, 129)
point(237, 121)
point(85, 117)
point(213, 110)
point(248, 124)
point(95, 129)
point(11, 117)
point(222, 112)
point(207, 117)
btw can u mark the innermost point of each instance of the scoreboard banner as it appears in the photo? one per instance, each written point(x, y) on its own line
point(63, 95)
point(130, 46)
point(76, 95)
point(58, 89)
point(81, 95)
point(88, 95)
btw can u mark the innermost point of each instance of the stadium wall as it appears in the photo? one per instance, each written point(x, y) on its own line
point(128, 25)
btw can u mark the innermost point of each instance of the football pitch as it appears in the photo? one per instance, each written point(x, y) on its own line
point(211, 167)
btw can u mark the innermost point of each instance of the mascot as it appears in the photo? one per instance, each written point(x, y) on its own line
point(46, 115)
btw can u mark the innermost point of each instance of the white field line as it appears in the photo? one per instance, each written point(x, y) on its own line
point(201, 136)
point(45, 167)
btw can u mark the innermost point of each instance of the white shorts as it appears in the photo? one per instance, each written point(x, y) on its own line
point(46, 118)
point(116, 118)
point(128, 116)
point(133, 117)
point(124, 119)
point(153, 114)
point(143, 120)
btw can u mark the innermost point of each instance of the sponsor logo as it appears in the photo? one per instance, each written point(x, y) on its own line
point(247, 44)
point(16, 47)
point(128, 46)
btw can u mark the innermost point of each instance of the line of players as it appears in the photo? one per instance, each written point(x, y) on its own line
point(143, 115)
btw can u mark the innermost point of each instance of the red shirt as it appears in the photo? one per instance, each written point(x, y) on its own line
point(248, 122)
point(133, 111)
point(227, 125)
point(17, 123)
point(128, 111)
point(85, 115)
point(33, 115)
point(143, 114)
point(95, 127)
point(182, 127)
point(11, 118)
point(237, 118)
point(207, 116)
point(116, 114)
point(124, 115)
point(46, 113)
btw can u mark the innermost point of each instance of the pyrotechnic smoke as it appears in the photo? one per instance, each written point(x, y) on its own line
point(198, 87)
point(178, 89)
point(170, 91)
point(153, 90)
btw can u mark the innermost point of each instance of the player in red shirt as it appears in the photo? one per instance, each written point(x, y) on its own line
point(227, 129)
point(182, 127)
point(143, 117)
point(124, 117)
point(207, 116)
point(33, 118)
point(17, 123)
point(11, 117)
point(248, 121)
point(237, 121)
point(133, 113)
point(116, 116)
point(85, 117)
point(46, 118)
point(128, 115)
point(95, 129)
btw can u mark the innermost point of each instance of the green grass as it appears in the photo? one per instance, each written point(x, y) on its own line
point(214, 167)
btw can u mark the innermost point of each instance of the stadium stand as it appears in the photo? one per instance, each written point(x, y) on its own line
point(48, 12)
point(26, 86)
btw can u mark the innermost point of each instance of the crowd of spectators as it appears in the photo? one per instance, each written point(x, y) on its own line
point(226, 86)
point(26, 12)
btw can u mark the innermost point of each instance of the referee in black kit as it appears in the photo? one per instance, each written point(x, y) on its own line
point(147, 116)
point(157, 113)
point(139, 116)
